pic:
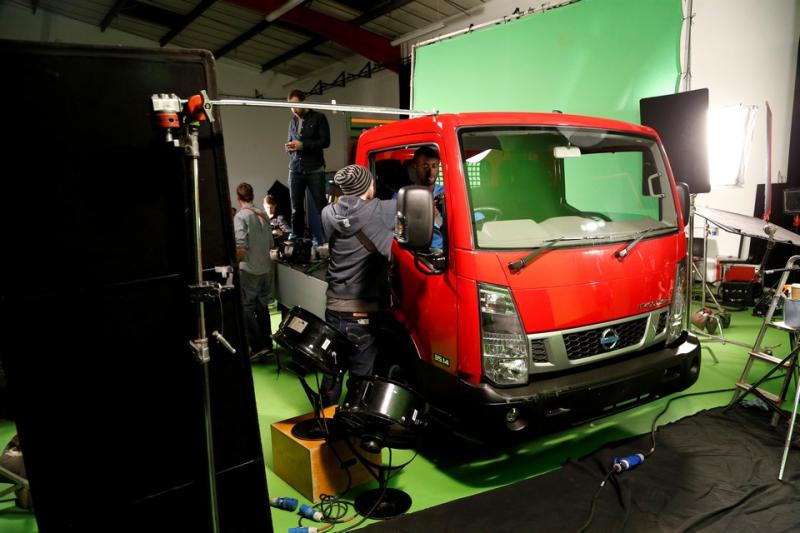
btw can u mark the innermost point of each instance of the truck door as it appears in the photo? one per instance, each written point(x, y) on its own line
point(424, 301)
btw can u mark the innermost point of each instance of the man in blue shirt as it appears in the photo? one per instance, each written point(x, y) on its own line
point(426, 166)
point(308, 135)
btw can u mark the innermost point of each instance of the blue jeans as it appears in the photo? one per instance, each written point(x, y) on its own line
point(298, 183)
point(362, 331)
point(256, 293)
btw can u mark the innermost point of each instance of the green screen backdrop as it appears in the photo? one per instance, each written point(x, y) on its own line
point(594, 57)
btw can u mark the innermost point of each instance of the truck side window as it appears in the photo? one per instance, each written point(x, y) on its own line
point(409, 165)
point(390, 176)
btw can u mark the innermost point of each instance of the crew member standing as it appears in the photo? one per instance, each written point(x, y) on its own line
point(253, 242)
point(309, 134)
point(359, 229)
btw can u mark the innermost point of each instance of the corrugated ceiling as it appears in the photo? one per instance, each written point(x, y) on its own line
point(308, 38)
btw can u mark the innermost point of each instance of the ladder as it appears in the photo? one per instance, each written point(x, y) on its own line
point(789, 364)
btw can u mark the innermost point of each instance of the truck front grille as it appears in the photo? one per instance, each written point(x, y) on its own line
point(538, 351)
point(662, 323)
point(602, 340)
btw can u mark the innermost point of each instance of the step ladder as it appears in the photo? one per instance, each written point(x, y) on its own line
point(788, 364)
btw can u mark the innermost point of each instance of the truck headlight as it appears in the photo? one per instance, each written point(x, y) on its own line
point(504, 345)
point(678, 305)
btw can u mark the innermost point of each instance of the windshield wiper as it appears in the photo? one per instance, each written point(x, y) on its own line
point(519, 264)
point(622, 254)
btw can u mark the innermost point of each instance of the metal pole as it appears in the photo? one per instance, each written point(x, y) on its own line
point(792, 420)
point(259, 102)
point(689, 264)
point(200, 345)
point(704, 273)
point(687, 61)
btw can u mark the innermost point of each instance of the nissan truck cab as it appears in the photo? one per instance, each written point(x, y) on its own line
point(559, 292)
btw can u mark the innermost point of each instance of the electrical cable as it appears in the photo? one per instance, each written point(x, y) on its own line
point(652, 450)
point(378, 500)
point(221, 313)
point(334, 509)
point(618, 463)
point(666, 407)
point(594, 501)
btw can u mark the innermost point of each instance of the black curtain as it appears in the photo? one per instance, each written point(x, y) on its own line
point(98, 242)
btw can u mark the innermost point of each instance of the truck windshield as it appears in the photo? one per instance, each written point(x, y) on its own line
point(529, 186)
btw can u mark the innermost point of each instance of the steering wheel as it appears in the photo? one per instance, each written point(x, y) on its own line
point(490, 213)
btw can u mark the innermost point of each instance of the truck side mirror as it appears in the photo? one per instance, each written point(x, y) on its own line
point(683, 198)
point(413, 228)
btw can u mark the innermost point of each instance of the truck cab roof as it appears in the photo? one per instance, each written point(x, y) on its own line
point(450, 121)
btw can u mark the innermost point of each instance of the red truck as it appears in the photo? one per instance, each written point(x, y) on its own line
point(559, 292)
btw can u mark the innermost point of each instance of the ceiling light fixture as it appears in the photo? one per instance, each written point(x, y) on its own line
point(285, 8)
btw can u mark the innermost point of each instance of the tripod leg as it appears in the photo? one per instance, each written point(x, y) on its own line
point(790, 430)
point(711, 352)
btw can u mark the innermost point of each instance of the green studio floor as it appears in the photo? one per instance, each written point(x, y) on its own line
point(461, 469)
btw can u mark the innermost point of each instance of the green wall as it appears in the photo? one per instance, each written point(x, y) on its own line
point(594, 57)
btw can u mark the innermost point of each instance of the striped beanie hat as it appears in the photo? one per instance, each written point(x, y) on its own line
point(354, 180)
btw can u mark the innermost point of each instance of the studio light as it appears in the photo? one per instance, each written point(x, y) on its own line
point(730, 132)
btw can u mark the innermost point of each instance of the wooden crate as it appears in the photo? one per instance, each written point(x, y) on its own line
point(310, 466)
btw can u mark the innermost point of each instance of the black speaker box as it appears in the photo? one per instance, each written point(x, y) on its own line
point(781, 252)
point(740, 292)
point(94, 300)
point(791, 201)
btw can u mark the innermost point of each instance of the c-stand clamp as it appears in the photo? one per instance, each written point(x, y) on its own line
point(167, 108)
point(200, 349)
point(205, 291)
point(227, 274)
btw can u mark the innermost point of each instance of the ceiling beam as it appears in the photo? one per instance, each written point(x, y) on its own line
point(241, 39)
point(380, 10)
point(294, 52)
point(370, 45)
point(111, 15)
point(255, 30)
point(149, 13)
point(186, 20)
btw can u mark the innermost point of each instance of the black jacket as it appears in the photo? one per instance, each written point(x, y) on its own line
point(315, 136)
point(353, 271)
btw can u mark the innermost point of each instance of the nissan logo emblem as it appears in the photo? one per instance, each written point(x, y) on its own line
point(609, 339)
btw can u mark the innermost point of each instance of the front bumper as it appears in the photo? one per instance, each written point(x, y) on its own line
point(579, 395)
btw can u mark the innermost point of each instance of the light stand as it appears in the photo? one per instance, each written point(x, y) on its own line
point(317, 347)
point(318, 427)
point(381, 413)
point(738, 225)
point(167, 108)
point(690, 271)
point(383, 502)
